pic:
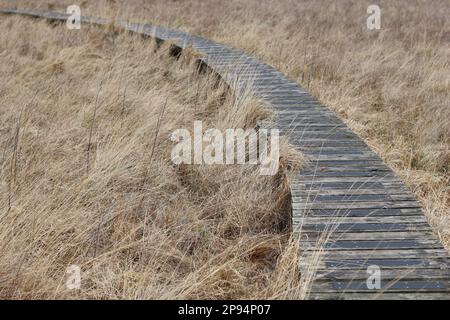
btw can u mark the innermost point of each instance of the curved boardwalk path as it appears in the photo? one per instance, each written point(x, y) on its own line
point(350, 209)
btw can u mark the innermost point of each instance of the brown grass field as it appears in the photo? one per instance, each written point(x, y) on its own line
point(85, 171)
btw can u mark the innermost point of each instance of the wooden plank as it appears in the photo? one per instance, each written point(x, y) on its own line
point(296, 105)
point(360, 227)
point(311, 220)
point(358, 157)
point(342, 189)
point(291, 91)
point(354, 180)
point(323, 127)
point(392, 263)
point(322, 171)
point(355, 205)
point(345, 168)
point(392, 274)
point(382, 254)
point(391, 286)
point(212, 56)
point(244, 71)
point(315, 113)
point(367, 236)
point(268, 81)
point(263, 88)
point(316, 119)
point(330, 188)
point(379, 296)
point(360, 174)
point(223, 57)
point(298, 135)
point(325, 152)
point(304, 110)
point(358, 212)
point(396, 194)
point(321, 198)
point(345, 183)
point(315, 146)
point(292, 101)
point(379, 244)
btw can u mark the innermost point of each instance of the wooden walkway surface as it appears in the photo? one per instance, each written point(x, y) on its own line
point(350, 210)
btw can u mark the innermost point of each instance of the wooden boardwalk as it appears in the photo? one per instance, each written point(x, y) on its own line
point(350, 210)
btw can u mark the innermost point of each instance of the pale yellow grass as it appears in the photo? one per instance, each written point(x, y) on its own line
point(86, 177)
point(391, 85)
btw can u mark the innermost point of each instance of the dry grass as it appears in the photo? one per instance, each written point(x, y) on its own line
point(86, 176)
point(391, 86)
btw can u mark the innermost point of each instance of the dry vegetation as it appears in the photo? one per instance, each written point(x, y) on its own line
point(391, 86)
point(86, 176)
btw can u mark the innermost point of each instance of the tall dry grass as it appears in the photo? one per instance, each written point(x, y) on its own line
point(86, 177)
point(391, 85)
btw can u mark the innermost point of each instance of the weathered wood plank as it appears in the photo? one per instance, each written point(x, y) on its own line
point(390, 274)
point(324, 198)
point(352, 173)
point(379, 296)
point(354, 205)
point(360, 227)
point(311, 220)
point(358, 212)
point(391, 286)
point(354, 181)
point(344, 168)
point(346, 184)
point(367, 236)
point(394, 263)
point(375, 245)
point(382, 254)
